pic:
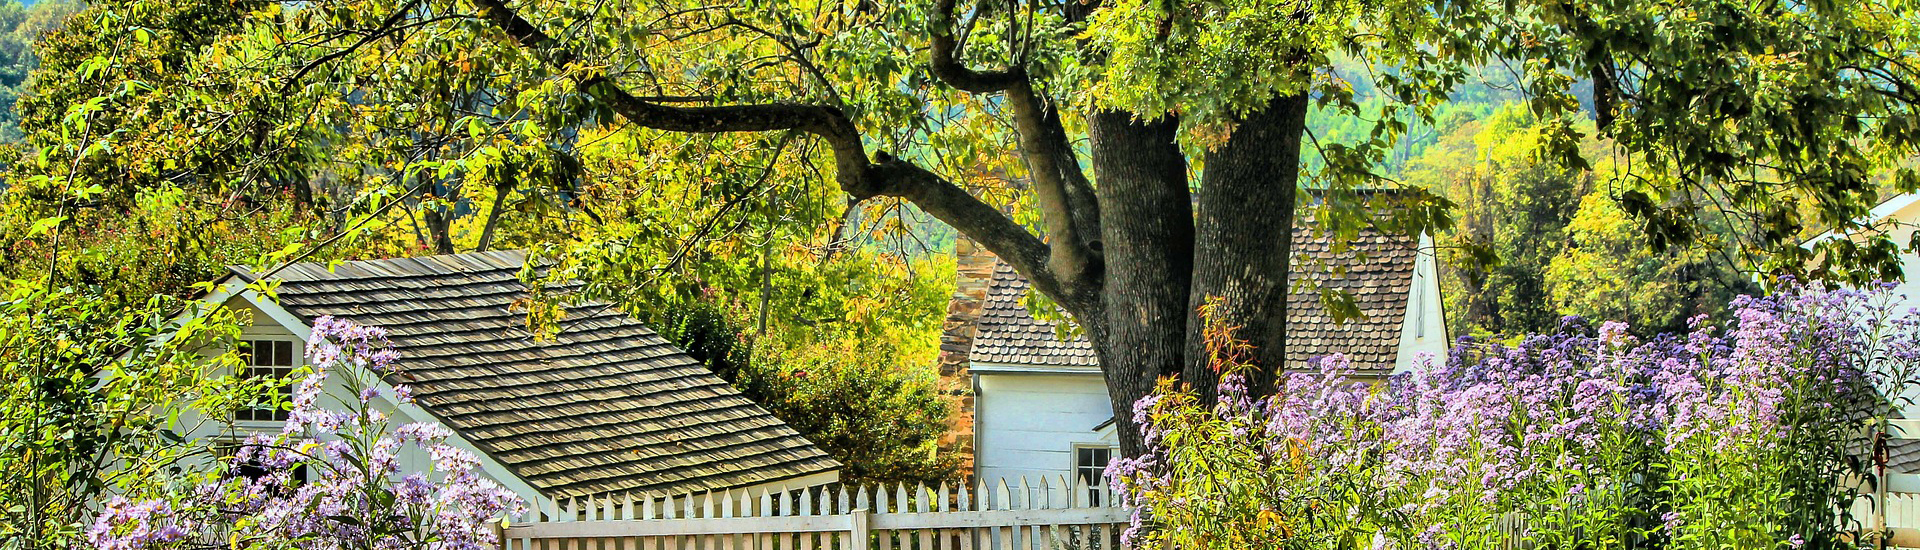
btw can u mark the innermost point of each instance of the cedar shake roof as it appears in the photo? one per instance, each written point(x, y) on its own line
point(1903, 456)
point(605, 406)
point(1377, 270)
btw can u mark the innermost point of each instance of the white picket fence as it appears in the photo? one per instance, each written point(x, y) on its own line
point(1052, 514)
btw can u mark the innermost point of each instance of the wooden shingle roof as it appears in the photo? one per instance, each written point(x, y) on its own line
point(605, 406)
point(1377, 271)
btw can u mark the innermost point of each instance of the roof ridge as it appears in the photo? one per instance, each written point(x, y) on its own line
point(404, 266)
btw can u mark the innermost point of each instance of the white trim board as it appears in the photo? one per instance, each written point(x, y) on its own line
point(1012, 368)
point(1884, 209)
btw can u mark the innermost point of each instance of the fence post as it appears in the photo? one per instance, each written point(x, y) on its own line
point(858, 530)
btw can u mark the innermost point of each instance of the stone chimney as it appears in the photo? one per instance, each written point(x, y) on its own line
point(956, 342)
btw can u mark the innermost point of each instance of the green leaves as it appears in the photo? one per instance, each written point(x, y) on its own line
point(44, 225)
point(90, 393)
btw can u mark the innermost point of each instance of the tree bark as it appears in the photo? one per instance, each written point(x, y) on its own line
point(440, 229)
point(500, 193)
point(1243, 242)
point(1147, 229)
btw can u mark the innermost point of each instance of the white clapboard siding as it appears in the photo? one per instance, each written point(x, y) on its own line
point(1042, 514)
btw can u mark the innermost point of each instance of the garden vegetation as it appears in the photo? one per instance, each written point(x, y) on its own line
point(1760, 432)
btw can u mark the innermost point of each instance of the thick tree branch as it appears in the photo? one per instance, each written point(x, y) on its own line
point(979, 221)
point(888, 176)
point(1066, 198)
point(500, 193)
point(946, 63)
point(1067, 202)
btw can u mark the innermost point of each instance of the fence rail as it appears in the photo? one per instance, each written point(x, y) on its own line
point(1055, 513)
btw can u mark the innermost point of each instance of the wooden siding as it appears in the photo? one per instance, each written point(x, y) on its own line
point(1029, 423)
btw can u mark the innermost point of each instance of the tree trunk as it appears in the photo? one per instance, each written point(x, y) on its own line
point(1139, 330)
point(439, 228)
point(1243, 242)
point(500, 193)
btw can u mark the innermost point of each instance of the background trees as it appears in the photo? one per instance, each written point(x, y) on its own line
point(1534, 240)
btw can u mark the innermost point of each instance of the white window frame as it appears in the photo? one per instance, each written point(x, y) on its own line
point(1090, 491)
point(297, 359)
point(1074, 468)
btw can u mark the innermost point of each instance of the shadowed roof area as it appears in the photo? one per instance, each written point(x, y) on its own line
point(1377, 270)
point(605, 406)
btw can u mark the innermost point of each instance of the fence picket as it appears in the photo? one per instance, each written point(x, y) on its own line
point(903, 505)
point(803, 500)
point(766, 511)
point(1049, 534)
point(658, 507)
point(670, 509)
point(627, 514)
point(592, 513)
point(565, 514)
point(837, 540)
point(1082, 534)
point(723, 509)
point(964, 537)
point(880, 506)
point(924, 504)
point(689, 510)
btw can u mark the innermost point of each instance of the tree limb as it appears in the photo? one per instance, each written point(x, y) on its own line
point(886, 176)
point(945, 58)
point(500, 193)
point(1066, 197)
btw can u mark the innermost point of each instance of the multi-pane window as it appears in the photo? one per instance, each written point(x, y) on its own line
point(268, 358)
point(1090, 463)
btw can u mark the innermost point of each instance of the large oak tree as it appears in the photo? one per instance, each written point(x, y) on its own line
point(1145, 155)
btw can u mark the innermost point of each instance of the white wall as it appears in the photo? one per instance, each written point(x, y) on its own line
point(1424, 328)
point(1028, 424)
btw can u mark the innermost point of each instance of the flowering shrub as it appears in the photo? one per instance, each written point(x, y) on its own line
point(357, 496)
point(1736, 436)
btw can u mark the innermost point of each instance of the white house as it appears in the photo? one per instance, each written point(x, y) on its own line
point(1038, 405)
point(606, 406)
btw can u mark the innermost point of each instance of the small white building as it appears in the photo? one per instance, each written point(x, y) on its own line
point(605, 406)
point(1039, 407)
